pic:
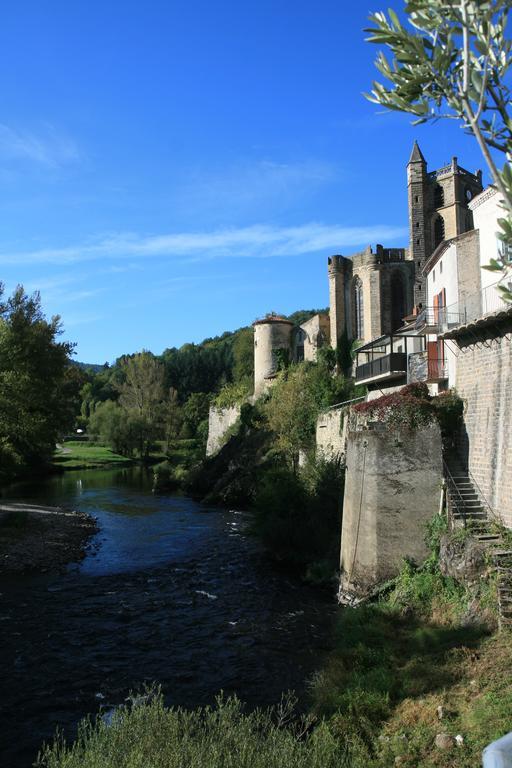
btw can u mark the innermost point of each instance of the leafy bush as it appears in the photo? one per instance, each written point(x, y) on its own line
point(410, 408)
point(448, 407)
point(413, 407)
point(232, 394)
point(299, 516)
point(150, 735)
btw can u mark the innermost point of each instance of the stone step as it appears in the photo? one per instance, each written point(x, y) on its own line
point(470, 517)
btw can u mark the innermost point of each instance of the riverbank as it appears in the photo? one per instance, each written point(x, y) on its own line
point(35, 538)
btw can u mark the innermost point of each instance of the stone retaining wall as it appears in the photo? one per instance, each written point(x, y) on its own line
point(219, 421)
point(392, 488)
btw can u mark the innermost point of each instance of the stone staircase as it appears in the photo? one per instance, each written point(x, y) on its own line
point(464, 503)
point(466, 508)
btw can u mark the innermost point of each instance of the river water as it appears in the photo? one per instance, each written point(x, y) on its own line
point(170, 591)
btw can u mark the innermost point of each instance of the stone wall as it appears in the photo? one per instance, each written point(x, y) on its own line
point(484, 381)
point(392, 488)
point(469, 273)
point(219, 421)
point(317, 331)
point(331, 434)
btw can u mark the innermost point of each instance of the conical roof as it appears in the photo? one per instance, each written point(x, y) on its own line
point(416, 154)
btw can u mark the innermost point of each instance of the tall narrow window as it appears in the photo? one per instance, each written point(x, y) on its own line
point(358, 309)
point(438, 196)
point(398, 308)
point(438, 231)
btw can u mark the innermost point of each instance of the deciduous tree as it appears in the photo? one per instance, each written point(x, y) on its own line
point(37, 390)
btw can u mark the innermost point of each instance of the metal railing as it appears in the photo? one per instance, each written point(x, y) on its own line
point(438, 318)
point(346, 402)
point(482, 498)
point(396, 362)
point(486, 302)
point(454, 497)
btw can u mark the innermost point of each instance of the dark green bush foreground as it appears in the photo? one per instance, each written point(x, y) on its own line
point(152, 736)
point(298, 516)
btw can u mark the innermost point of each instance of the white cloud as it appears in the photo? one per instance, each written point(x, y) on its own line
point(48, 148)
point(247, 184)
point(258, 241)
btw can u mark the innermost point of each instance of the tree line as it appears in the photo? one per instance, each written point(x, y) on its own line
point(140, 399)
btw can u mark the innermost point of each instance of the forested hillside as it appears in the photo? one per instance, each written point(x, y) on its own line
point(143, 397)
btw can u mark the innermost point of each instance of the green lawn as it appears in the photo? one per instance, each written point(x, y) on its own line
point(79, 455)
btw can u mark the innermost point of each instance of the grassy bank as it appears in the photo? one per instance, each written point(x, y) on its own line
point(397, 680)
point(80, 455)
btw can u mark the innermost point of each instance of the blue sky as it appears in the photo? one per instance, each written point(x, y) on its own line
point(170, 170)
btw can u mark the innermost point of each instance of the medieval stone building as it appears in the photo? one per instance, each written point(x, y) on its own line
point(371, 292)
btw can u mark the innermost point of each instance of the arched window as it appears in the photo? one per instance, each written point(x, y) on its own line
point(469, 221)
point(438, 196)
point(398, 308)
point(358, 309)
point(438, 231)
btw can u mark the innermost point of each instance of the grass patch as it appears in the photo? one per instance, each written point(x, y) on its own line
point(80, 455)
point(397, 661)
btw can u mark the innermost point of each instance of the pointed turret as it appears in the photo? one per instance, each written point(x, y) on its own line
point(416, 154)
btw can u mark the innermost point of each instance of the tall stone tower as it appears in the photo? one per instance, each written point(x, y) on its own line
point(438, 209)
point(272, 336)
point(340, 272)
point(420, 242)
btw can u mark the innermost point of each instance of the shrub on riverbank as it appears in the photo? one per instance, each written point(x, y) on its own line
point(298, 516)
point(211, 737)
point(173, 472)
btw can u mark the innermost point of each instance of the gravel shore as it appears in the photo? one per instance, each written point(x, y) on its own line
point(39, 538)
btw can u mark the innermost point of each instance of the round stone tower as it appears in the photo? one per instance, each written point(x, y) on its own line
point(273, 338)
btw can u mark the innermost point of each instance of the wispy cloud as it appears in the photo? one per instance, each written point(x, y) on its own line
point(249, 183)
point(49, 147)
point(259, 241)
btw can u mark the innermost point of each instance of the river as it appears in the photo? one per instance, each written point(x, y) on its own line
point(170, 591)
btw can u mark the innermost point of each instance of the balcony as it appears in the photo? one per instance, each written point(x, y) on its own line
point(390, 366)
point(422, 368)
point(438, 319)
point(437, 370)
point(477, 309)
